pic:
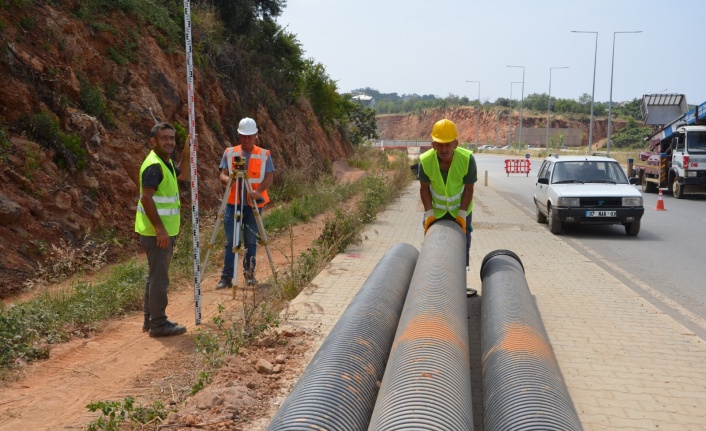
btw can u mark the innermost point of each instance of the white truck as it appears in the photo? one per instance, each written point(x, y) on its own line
point(676, 158)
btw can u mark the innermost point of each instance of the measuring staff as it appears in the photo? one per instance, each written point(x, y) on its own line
point(194, 171)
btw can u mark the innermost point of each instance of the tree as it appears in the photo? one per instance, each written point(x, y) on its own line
point(240, 16)
point(631, 136)
point(585, 100)
point(279, 57)
point(363, 125)
point(322, 93)
point(628, 110)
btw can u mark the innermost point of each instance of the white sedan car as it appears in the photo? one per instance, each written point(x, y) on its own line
point(586, 190)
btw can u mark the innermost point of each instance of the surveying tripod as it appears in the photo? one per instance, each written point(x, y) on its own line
point(239, 179)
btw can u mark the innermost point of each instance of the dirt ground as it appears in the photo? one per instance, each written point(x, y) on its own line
point(120, 361)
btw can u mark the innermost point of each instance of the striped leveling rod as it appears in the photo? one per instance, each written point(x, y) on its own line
point(194, 170)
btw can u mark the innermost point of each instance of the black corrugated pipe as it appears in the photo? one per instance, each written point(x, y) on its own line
point(427, 383)
point(522, 385)
point(337, 390)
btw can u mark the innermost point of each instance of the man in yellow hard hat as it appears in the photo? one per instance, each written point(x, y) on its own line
point(447, 175)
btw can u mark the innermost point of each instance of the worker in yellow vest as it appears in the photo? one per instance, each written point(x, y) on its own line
point(157, 221)
point(258, 164)
point(447, 175)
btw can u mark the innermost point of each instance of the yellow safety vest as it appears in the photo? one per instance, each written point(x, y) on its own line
point(446, 197)
point(166, 199)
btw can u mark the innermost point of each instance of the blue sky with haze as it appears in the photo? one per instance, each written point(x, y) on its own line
point(434, 47)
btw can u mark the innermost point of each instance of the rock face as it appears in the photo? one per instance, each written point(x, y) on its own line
point(418, 126)
point(48, 69)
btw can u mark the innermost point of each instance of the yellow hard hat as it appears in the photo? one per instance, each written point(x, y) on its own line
point(444, 131)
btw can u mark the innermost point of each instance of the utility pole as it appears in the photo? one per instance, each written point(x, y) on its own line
point(477, 114)
point(497, 126)
point(522, 99)
point(549, 101)
point(610, 102)
point(509, 117)
point(593, 92)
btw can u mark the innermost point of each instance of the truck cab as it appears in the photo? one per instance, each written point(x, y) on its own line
point(687, 151)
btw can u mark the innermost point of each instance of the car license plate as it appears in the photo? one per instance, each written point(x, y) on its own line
point(600, 213)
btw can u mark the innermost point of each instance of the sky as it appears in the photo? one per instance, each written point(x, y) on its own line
point(435, 47)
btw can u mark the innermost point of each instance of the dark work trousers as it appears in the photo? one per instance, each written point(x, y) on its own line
point(469, 222)
point(158, 260)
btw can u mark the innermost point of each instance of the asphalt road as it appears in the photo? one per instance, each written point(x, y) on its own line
point(665, 263)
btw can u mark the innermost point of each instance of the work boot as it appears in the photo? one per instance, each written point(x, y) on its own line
point(471, 292)
point(250, 278)
point(224, 283)
point(167, 329)
point(146, 326)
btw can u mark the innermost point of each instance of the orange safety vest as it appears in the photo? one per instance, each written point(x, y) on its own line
point(255, 169)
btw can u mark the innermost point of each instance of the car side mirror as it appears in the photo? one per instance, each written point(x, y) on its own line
point(634, 181)
point(543, 180)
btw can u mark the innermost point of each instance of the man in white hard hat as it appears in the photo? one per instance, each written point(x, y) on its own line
point(258, 164)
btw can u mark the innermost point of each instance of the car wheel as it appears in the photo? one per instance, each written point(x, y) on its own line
point(677, 189)
point(541, 218)
point(632, 229)
point(554, 223)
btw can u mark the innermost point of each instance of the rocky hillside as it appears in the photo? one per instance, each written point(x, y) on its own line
point(59, 194)
point(418, 126)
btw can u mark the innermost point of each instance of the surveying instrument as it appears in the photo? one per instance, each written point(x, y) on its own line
point(240, 179)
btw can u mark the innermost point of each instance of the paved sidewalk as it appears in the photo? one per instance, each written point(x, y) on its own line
point(628, 366)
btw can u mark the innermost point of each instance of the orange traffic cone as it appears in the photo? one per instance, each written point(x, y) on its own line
point(660, 202)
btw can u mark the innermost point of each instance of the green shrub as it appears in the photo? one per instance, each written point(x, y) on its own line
point(151, 12)
point(91, 99)
point(631, 136)
point(28, 22)
point(116, 414)
point(72, 144)
point(44, 128)
point(5, 144)
point(69, 151)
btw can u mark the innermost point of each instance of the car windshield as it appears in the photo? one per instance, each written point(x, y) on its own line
point(696, 142)
point(588, 171)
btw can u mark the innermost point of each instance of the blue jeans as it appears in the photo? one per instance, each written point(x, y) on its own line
point(248, 237)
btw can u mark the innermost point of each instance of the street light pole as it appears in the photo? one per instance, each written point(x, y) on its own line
point(522, 99)
point(593, 91)
point(610, 103)
point(509, 117)
point(549, 101)
point(477, 114)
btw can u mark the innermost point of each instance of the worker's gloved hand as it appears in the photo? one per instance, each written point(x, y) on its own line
point(461, 219)
point(428, 219)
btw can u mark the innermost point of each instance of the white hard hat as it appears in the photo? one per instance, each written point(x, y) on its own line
point(247, 126)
